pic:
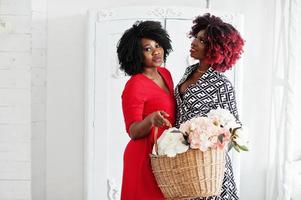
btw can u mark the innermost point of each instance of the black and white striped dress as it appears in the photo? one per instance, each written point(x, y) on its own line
point(212, 90)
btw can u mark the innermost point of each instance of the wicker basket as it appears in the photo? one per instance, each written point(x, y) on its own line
point(190, 174)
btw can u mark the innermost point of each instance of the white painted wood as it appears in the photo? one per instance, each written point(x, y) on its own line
point(15, 78)
point(15, 151)
point(38, 76)
point(39, 58)
point(38, 156)
point(15, 103)
point(19, 170)
point(179, 58)
point(14, 96)
point(15, 190)
point(39, 127)
point(154, 12)
point(19, 60)
point(38, 40)
point(38, 98)
point(89, 153)
point(15, 133)
point(20, 24)
point(105, 130)
point(15, 42)
point(38, 112)
point(109, 137)
point(39, 5)
point(15, 114)
point(38, 94)
point(15, 7)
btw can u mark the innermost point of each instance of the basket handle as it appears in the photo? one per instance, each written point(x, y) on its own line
point(156, 136)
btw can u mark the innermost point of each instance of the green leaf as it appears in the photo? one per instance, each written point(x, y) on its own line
point(186, 142)
point(243, 147)
point(230, 146)
point(236, 148)
point(186, 138)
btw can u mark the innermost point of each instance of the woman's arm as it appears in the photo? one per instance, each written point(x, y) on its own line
point(142, 128)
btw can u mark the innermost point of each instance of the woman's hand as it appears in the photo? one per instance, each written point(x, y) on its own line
point(158, 118)
point(142, 128)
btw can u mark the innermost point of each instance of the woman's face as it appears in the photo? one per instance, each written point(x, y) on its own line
point(153, 53)
point(197, 49)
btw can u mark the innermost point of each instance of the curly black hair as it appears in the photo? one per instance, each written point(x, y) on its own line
point(224, 45)
point(129, 47)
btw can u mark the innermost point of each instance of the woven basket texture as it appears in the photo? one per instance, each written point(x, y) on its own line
point(190, 174)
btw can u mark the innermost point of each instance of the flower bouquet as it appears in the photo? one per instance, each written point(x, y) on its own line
point(189, 162)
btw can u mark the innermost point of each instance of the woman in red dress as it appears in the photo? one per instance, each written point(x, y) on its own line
point(147, 102)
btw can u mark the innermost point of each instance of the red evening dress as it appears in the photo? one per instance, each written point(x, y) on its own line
point(141, 96)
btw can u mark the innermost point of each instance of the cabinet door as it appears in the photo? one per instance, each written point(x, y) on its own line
point(179, 58)
point(106, 136)
point(109, 128)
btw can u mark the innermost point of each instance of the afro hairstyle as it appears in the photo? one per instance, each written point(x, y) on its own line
point(129, 47)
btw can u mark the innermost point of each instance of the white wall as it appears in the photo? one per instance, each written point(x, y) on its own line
point(38, 94)
point(23, 100)
point(65, 90)
point(15, 101)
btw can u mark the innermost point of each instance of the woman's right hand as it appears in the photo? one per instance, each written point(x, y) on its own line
point(158, 118)
point(142, 128)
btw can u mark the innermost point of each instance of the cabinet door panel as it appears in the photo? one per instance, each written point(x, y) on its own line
point(109, 138)
point(110, 135)
point(179, 58)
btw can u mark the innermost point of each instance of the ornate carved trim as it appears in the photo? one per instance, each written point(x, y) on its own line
point(164, 12)
point(104, 14)
point(113, 190)
point(117, 73)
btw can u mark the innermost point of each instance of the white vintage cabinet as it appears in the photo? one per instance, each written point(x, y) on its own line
point(105, 136)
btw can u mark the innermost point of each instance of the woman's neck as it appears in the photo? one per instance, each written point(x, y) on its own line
point(151, 73)
point(203, 66)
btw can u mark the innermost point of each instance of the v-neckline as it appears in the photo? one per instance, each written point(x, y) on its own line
point(164, 80)
point(193, 67)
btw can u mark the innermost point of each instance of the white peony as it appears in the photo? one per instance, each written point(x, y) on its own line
point(232, 125)
point(170, 143)
point(242, 138)
point(205, 144)
point(224, 117)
